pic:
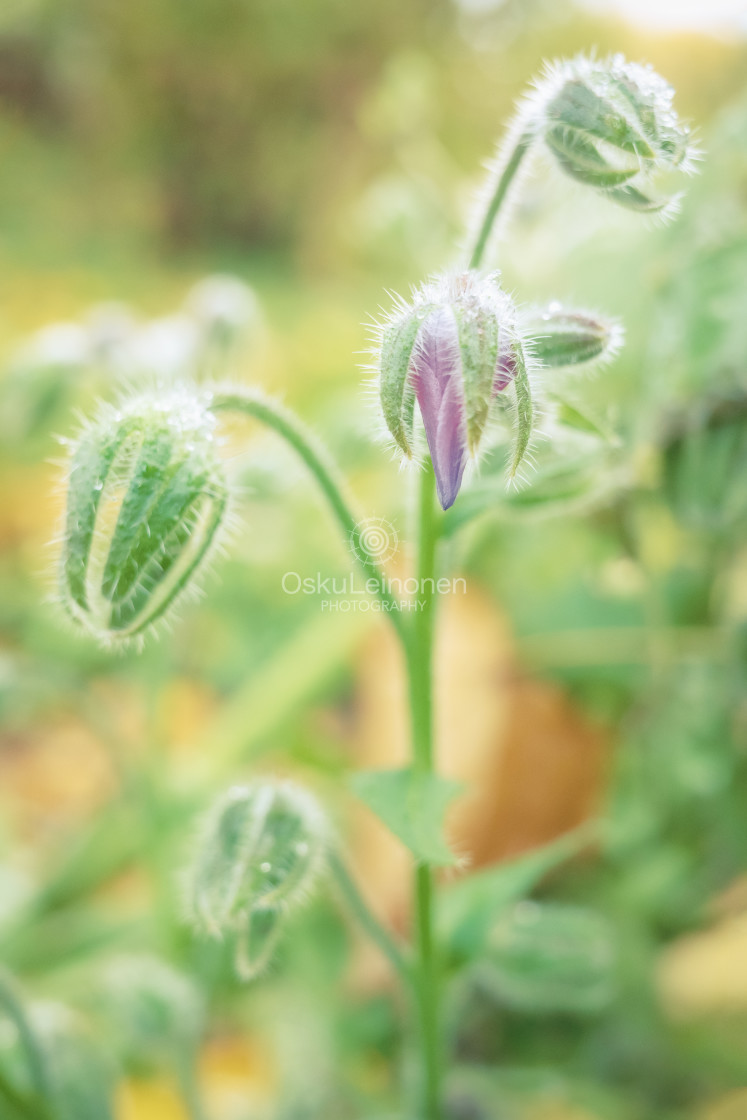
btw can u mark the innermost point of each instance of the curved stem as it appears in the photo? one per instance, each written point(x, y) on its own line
point(359, 908)
point(420, 668)
point(21, 1106)
point(505, 178)
point(16, 1012)
point(286, 424)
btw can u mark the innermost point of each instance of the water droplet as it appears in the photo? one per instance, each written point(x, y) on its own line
point(265, 867)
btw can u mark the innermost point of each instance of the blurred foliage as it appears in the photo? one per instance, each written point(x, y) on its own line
point(319, 151)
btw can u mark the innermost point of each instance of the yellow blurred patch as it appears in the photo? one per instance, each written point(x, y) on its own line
point(704, 973)
point(154, 1099)
point(558, 1111)
point(236, 1074)
point(184, 708)
point(731, 1107)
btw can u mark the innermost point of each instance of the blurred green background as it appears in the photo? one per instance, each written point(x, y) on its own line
point(322, 151)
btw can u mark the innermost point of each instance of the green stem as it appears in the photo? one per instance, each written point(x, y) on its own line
point(359, 909)
point(286, 424)
point(506, 177)
point(16, 1012)
point(189, 1086)
point(419, 650)
point(22, 1106)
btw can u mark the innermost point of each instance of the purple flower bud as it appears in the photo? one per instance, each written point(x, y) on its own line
point(451, 350)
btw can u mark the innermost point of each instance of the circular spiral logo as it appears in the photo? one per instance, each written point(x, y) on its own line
point(376, 537)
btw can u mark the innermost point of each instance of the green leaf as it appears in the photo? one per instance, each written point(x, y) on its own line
point(582, 418)
point(470, 906)
point(412, 805)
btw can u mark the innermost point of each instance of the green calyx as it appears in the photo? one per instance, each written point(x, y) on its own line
point(397, 398)
point(147, 496)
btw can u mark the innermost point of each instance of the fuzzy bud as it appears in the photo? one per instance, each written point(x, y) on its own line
point(551, 957)
point(147, 499)
point(611, 124)
point(80, 1078)
point(564, 337)
point(451, 350)
point(260, 853)
point(152, 1012)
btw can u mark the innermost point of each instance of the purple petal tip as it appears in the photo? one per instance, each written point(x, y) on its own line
point(437, 377)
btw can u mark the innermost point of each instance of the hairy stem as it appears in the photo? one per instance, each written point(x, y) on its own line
point(286, 424)
point(419, 650)
point(358, 907)
point(498, 198)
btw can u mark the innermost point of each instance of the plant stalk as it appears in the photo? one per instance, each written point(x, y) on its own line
point(314, 455)
point(371, 925)
point(13, 1007)
point(419, 650)
point(505, 179)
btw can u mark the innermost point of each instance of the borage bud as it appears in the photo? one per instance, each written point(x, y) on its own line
point(147, 500)
point(152, 1012)
point(260, 853)
point(81, 1079)
point(452, 349)
point(611, 124)
point(564, 337)
point(551, 957)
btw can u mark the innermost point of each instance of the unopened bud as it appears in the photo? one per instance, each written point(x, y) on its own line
point(611, 124)
point(452, 349)
point(550, 957)
point(147, 499)
point(260, 853)
point(153, 1013)
point(80, 1076)
point(564, 337)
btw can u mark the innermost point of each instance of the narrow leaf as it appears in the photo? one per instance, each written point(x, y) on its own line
point(470, 906)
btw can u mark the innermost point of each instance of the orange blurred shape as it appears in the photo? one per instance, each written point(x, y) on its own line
point(532, 763)
point(152, 1099)
point(60, 769)
point(30, 504)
